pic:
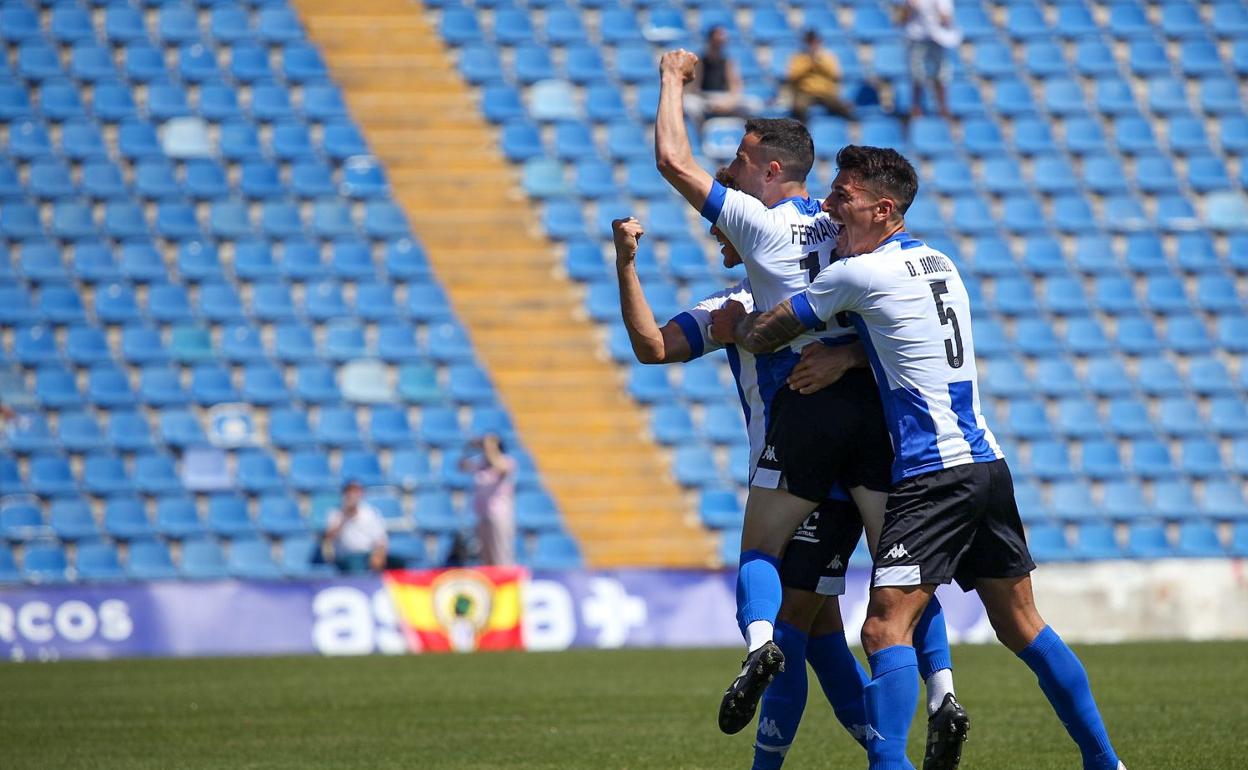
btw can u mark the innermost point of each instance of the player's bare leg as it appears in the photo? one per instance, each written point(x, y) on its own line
point(947, 720)
point(1012, 611)
point(893, 692)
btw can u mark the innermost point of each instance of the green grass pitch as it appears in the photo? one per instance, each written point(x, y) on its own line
point(1168, 706)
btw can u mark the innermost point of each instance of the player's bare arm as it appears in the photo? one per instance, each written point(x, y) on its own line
point(822, 365)
point(672, 152)
point(651, 344)
point(764, 332)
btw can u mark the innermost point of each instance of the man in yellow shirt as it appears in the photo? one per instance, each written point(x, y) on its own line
point(814, 77)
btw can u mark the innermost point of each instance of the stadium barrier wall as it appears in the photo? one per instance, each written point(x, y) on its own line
point(424, 611)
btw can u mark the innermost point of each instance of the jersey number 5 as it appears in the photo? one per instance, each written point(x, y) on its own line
point(953, 347)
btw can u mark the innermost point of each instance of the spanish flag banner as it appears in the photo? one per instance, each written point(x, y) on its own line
point(458, 610)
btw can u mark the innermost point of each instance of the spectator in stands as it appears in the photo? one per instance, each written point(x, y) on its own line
point(356, 534)
point(493, 499)
point(814, 77)
point(930, 33)
point(718, 92)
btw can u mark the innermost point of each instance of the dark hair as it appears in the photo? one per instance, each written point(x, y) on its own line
point(810, 35)
point(882, 169)
point(788, 142)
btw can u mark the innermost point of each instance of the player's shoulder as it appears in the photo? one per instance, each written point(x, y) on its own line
point(739, 291)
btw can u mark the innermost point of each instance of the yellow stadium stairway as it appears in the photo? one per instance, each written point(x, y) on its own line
point(482, 235)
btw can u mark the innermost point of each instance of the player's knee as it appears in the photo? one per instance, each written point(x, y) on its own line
point(799, 608)
point(1015, 627)
point(877, 634)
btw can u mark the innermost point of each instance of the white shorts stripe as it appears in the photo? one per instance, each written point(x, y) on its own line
point(897, 576)
point(830, 586)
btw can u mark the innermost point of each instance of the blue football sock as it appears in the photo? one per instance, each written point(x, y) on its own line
point(783, 701)
point(891, 695)
point(758, 588)
point(931, 640)
point(1065, 683)
point(842, 679)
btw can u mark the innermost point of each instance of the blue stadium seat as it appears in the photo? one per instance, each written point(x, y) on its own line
point(501, 102)
point(45, 562)
point(70, 519)
point(21, 519)
point(1198, 539)
point(1096, 540)
point(410, 468)
point(337, 427)
point(1129, 417)
point(1050, 460)
point(344, 341)
point(1124, 500)
point(361, 466)
point(156, 474)
point(1101, 460)
point(109, 387)
point(79, 432)
point(56, 388)
point(150, 560)
point(418, 383)
point(1148, 540)
point(1219, 95)
point(250, 558)
point(310, 472)
point(203, 559)
point(290, 141)
point(1228, 416)
point(439, 426)
point(316, 383)
point(176, 517)
point(1048, 543)
point(1072, 501)
point(555, 551)
point(301, 557)
point(125, 518)
point(98, 562)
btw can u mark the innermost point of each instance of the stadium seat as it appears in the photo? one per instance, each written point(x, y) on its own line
point(1198, 539)
point(1048, 543)
point(45, 563)
point(250, 558)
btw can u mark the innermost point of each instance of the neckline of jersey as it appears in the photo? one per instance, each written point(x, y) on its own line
point(804, 203)
point(900, 235)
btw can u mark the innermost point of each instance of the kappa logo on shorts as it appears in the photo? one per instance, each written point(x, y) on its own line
point(769, 453)
point(836, 562)
point(896, 552)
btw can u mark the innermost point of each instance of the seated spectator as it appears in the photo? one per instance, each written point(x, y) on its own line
point(717, 90)
point(814, 77)
point(356, 534)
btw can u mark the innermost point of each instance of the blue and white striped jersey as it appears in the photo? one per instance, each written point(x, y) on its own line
point(914, 317)
point(696, 324)
point(784, 247)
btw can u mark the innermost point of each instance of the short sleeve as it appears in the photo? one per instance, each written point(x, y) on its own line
point(839, 287)
point(696, 321)
point(743, 219)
